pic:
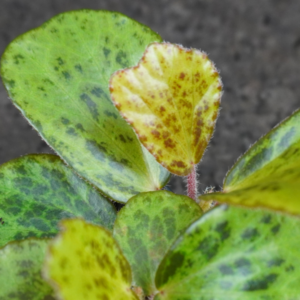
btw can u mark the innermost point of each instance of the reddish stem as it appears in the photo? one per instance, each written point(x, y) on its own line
point(192, 184)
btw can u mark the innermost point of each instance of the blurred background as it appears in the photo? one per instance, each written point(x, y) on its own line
point(254, 44)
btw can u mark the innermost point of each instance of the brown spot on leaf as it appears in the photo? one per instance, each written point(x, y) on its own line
point(142, 138)
point(169, 143)
point(185, 103)
point(162, 109)
point(178, 163)
point(182, 75)
point(215, 75)
point(156, 133)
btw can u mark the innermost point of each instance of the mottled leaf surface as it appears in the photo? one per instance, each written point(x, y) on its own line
point(36, 191)
point(234, 253)
point(171, 98)
point(274, 151)
point(85, 262)
point(268, 175)
point(20, 271)
point(58, 76)
point(147, 226)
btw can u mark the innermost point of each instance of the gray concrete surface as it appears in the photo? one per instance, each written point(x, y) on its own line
point(255, 45)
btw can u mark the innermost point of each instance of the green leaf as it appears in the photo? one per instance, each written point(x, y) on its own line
point(85, 262)
point(234, 253)
point(36, 191)
point(171, 98)
point(20, 271)
point(276, 150)
point(58, 76)
point(268, 175)
point(147, 226)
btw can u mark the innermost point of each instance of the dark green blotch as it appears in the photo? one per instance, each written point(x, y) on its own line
point(276, 262)
point(121, 59)
point(66, 75)
point(266, 219)
point(243, 266)
point(13, 210)
point(98, 92)
point(110, 114)
point(91, 105)
point(65, 121)
point(183, 208)
point(260, 284)
point(78, 68)
point(80, 127)
point(286, 139)
point(94, 148)
point(209, 247)
point(25, 263)
point(130, 139)
point(23, 181)
point(21, 169)
point(40, 224)
point(18, 236)
point(106, 52)
point(17, 58)
point(125, 162)
point(11, 83)
point(60, 61)
point(23, 273)
point(176, 261)
point(257, 161)
point(223, 230)
point(72, 131)
point(122, 138)
point(290, 268)
point(226, 270)
point(275, 229)
point(48, 81)
point(250, 233)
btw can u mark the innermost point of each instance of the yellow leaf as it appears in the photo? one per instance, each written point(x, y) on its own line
point(85, 262)
point(171, 99)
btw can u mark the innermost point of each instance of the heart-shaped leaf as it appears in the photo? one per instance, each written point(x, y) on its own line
point(20, 271)
point(36, 191)
point(268, 175)
point(58, 76)
point(234, 253)
point(85, 262)
point(147, 226)
point(171, 98)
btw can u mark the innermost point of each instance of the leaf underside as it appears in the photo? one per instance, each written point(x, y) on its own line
point(38, 190)
point(234, 253)
point(20, 271)
point(58, 76)
point(147, 226)
point(268, 175)
point(171, 98)
point(85, 262)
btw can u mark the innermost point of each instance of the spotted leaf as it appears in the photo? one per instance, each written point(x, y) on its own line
point(147, 226)
point(20, 271)
point(58, 76)
point(171, 98)
point(233, 253)
point(36, 191)
point(268, 174)
point(85, 262)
